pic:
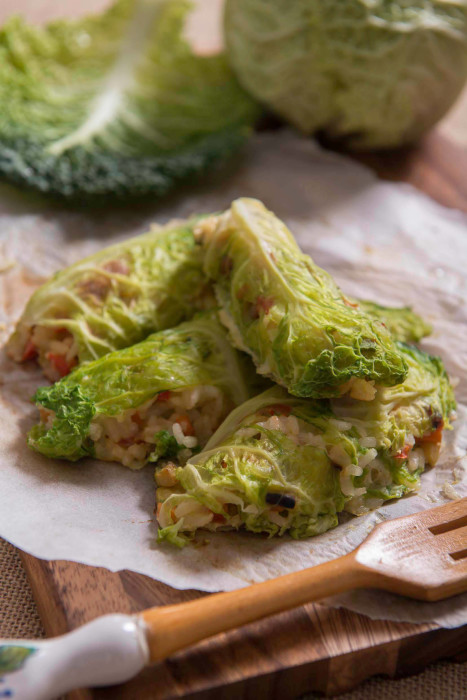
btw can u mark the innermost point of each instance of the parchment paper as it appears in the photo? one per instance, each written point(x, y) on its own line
point(380, 240)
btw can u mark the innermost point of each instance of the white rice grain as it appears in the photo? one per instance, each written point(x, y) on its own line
point(416, 460)
point(367, 458)
point(368, 442)
point(341, 425)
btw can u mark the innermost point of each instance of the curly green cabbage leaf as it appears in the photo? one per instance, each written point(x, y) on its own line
point(422, 405)
point(115, 104)
point(377, 73)
point(288, 313)
point(258, 479)
point(194, 354)
point(280, 464)
point(113, 299)
point(403, 323)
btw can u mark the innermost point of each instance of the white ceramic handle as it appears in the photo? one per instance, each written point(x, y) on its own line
point(109, 650)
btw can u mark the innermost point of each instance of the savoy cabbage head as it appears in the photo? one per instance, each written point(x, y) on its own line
point(115, 104)
point(376, 72)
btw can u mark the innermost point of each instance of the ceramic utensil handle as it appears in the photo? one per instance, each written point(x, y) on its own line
point(109, 650)
point(174, 627)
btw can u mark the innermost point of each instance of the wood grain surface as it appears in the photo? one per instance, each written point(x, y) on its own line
point(312, 647)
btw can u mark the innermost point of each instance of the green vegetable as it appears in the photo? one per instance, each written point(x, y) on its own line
point(287, 312)
point(238, 478)
point(73, 411)
point(283, 464)
point(403, 323)
point(115, 105)
point(407, 423)
point(166, 446)
point(377, 73)
point(195, 353)
point(422, 403)
point(116, 297)
point(119, 295)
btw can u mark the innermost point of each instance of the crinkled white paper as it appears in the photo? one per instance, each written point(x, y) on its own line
point(380, 240)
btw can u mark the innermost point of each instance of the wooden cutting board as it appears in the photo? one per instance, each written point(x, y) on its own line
point(310, 648)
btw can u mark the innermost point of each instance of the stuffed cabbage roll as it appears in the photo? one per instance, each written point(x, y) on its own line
point(163, 397)
point(281, 464)
point(288, 314)
point(112, 299)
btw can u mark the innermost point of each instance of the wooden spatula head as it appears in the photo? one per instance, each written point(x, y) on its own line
point(423, 556)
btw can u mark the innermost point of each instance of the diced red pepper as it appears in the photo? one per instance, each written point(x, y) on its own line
point(119, 267)
point(60, 363)
point(226, 265)
point(242, 291)
point(404, 453)
point(62, 333)
point(251, 310)
point(264, 304)
point(136, 418)
point(261, 305)
point(30, 351)
point(347, 302)
point(185, 424)
point(278, 409)
point(126, 442)
point(218, 518)
point(435, 436)
point(164, 396)
point(97, 287)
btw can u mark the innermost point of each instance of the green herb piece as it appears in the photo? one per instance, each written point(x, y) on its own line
point(165, 446)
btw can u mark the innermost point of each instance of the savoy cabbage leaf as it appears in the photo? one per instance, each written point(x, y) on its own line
point(115, 104)
point(195, 353)
point(287, 312)
point(117, 296)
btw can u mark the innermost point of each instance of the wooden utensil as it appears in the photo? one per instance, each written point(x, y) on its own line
point(423, 556)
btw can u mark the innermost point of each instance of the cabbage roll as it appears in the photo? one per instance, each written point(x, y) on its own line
point(281, 464)
point(288, 314)
point(112, 299)
point(161, 398)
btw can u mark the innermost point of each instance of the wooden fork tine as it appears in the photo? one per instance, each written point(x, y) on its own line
point(448, 525)
point(444, 514)
point(460, 557)
point(452, 541)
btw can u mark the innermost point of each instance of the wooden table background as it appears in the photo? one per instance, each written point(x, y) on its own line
point(311, 647)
